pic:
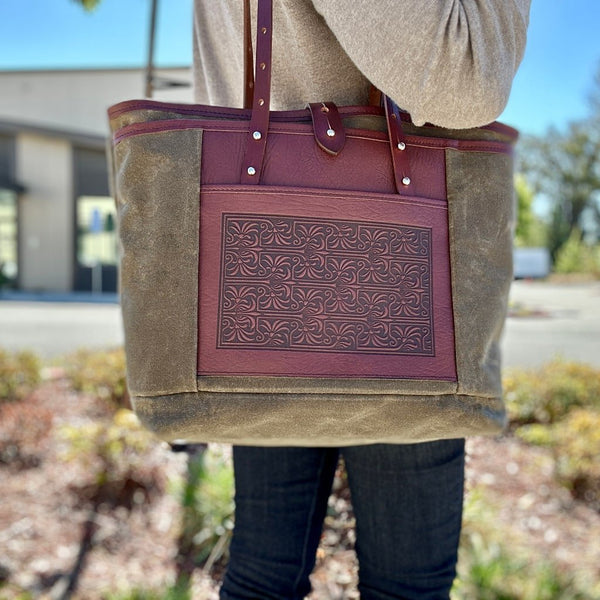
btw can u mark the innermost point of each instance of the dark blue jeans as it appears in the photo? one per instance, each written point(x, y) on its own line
point(407, 500)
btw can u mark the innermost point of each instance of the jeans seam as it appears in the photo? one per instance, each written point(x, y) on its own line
point(308, 529)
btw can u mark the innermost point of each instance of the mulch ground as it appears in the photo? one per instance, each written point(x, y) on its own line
point(41, 518)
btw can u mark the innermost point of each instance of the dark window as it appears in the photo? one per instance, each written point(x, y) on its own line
point(96, 249)
point(9, 244)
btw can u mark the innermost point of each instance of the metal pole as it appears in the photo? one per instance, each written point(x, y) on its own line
point(150, 62)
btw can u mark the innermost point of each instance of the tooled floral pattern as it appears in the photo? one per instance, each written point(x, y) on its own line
point(325, 285)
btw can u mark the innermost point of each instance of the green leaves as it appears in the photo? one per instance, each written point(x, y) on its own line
point(88, 4)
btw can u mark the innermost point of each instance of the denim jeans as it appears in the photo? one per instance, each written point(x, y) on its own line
point(407, 500)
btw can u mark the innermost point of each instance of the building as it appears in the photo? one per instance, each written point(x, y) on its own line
point(57, 221)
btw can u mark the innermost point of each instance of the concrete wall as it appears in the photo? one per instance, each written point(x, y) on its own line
point(45, 111)
point(76, 100)
point(45, 213)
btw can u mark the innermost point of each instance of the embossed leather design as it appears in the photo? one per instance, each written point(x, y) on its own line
point(323, 283)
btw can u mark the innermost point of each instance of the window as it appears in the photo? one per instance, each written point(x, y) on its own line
point(96, 231)
point(8, 239)
point(9, 245)
point(96, 248)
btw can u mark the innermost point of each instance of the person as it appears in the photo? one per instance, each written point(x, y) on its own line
point(450, 63)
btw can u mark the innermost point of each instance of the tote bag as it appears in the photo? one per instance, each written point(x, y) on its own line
point(322, 277)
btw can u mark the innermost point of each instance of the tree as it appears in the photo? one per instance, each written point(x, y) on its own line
point(565, 167)
point(525, 216)
point(88, 4)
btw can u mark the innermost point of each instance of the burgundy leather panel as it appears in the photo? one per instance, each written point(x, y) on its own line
point(365, 163)
point(289, 287)
point(299, 128)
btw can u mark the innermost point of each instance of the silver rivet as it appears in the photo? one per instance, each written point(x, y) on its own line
point(330, 132)
point(401, 145)
point(257, 135)
point(406, 180)
point(251, 171)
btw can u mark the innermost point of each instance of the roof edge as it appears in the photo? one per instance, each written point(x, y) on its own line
point(80, 138)
point(16, 71)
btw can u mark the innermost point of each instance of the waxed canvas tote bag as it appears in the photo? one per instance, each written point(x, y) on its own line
point(328, 276)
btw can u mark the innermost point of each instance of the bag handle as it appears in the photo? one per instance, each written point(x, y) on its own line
point(258, 94)
point(248, 58)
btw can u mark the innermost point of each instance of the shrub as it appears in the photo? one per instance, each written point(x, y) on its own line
point(116, 456)
point(23, 426)
point(495, 565)
point(19, 374)
point(575, 256)
point(577, 450)
point(545, 395)
point(100, 374)
point(172, 593)
point(575, 444)
point(207, 511)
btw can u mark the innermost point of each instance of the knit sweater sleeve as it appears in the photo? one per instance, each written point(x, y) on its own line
point(449, 62)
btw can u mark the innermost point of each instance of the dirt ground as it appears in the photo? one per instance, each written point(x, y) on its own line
point(41, 518)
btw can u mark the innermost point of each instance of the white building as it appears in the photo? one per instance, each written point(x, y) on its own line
point(56, 218)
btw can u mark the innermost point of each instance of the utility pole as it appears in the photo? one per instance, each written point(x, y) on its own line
point(150, 61)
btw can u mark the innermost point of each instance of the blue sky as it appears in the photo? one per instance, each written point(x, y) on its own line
point(551, 87)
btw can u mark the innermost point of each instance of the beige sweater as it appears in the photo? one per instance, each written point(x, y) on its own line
point(448, 62)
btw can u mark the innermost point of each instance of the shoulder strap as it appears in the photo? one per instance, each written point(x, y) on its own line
point(248, 58)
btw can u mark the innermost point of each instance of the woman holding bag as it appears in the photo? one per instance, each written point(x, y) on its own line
point(447, 62)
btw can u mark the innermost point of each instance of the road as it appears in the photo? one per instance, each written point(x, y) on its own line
point(557, 320)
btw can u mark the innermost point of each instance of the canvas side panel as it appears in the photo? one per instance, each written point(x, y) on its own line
point(157, 180)
point(481, 222)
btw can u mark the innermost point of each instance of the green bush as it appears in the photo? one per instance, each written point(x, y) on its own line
point(545, 395)
point(494, 564)
point(172, 593)
point(99, 373)
point(575, 256)
point(19, 375)
point(575, 444)
point(117, 459)
point(577, 451)
point(207, 511)
point(23, 427)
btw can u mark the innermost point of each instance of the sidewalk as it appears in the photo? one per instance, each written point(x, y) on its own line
point(52, 325)
point(549, 320)
point(83, 297)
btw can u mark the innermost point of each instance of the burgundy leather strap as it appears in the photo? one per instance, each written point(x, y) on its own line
point(248, 58)
point(374, 96)
point(259, 122)
point(328, 127)
point(398, 147)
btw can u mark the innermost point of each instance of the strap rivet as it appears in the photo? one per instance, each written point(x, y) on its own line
point(263, 30)
point(251, 171)
point(261, 102)
point(401, 145)
point(263, 66)
point(330, 132)
point(405, 180)
point(256, 135)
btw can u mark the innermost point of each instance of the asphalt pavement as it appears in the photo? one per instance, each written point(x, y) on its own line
point(548, 320)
